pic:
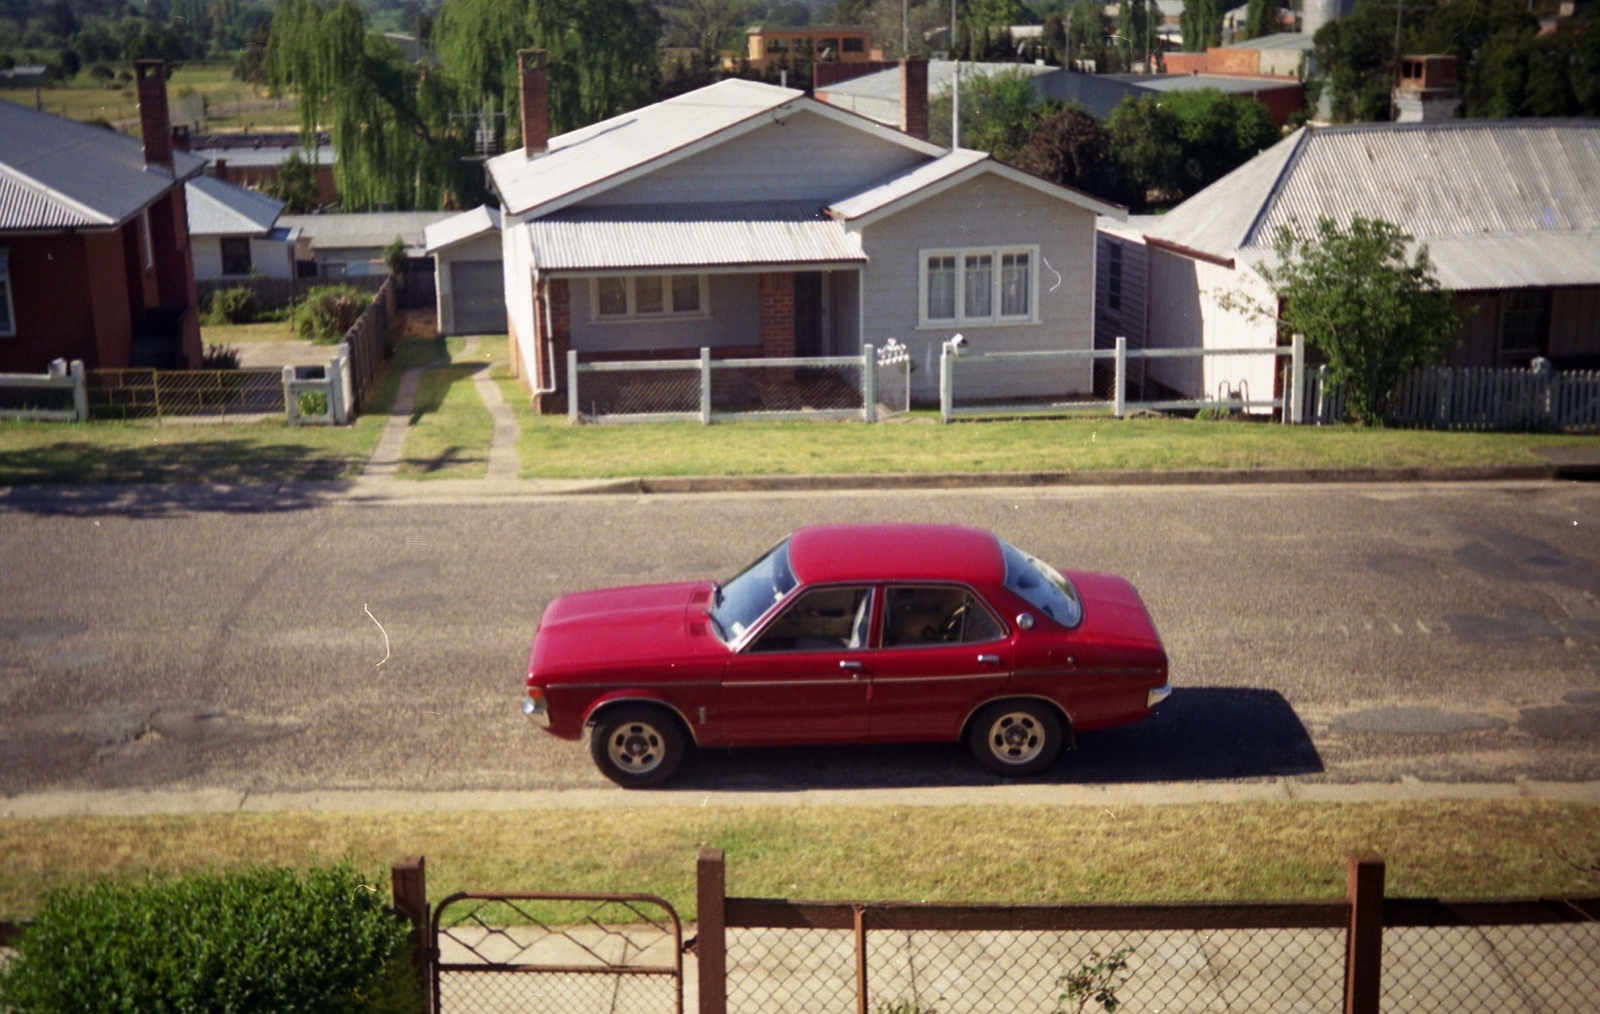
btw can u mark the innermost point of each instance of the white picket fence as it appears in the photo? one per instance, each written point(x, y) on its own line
point(1472, 398)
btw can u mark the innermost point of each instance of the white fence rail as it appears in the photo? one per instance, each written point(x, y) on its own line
point(953, 359)
point(45, 396)
point(707, 390)
point(1473, 398)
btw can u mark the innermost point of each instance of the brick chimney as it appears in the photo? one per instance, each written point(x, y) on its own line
point(219, 169)
point(535, 101)
point(914, 97)
point(154, 122)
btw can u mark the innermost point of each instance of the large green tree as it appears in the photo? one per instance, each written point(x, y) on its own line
point(1371, 312)
point(1070, 147)
point(1260, 18)
point(1201, 24)
point(1136, 29)
point(1171, 146)
point(998, 113)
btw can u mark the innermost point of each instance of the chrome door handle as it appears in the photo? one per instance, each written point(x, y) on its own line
point(988, 659)
point(854, 667)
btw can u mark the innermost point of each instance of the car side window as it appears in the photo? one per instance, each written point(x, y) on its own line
point(823, 619)
point(937, 614)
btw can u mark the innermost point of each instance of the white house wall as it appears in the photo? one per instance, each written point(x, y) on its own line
point(804, 158)
point(269, 258)
point(516, 254)
point(1184, 312)
point(987, 211)
point(734, 321)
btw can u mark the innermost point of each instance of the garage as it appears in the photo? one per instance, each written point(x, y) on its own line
point(480, 297)
point(467, 255)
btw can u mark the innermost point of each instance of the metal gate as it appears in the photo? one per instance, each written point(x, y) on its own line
point(570, 953)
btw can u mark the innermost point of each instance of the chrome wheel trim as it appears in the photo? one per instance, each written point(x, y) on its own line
point(1016, 737)
point(637, 748)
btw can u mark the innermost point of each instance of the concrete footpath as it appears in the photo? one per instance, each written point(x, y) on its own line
point(64, 803)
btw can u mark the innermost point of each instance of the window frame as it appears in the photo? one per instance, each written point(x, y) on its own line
point(881, 642)
point(996, 287)
point(1521, 317)
point(223, 243)
point(630, 298)
point(749, 643)
point(8, 326)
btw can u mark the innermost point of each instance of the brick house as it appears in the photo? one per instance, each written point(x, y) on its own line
point(756, 221)
point(95, 261)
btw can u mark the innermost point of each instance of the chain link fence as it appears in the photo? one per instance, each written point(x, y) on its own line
point(158, 394)
point(591, 954)
point(1552, 968)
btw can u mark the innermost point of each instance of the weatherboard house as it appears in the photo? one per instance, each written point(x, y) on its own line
point(756, 221)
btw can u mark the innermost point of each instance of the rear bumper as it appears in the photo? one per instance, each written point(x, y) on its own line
point(1158, 695)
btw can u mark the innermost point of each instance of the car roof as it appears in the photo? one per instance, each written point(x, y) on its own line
point(896, 552)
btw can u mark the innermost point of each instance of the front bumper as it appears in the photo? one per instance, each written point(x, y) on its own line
point(538, 712)
point(1158, 695)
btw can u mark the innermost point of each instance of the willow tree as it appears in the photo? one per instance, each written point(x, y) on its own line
point(602, 55)
point(391, 123)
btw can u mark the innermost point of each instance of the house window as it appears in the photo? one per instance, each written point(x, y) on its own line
point(1114, 276)
point(619, 297)
point(979, 286)
point(235, 255)
point(855, 45)
point(8, 316)
point(1522, 326)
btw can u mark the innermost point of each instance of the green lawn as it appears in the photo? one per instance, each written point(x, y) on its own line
point(551, 448)
point(234, 334)
point(996, 853)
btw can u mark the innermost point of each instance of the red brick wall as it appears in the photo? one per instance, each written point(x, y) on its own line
point(1184, 63)
point(1241, 62)
point(70, 297)
point(777, 314)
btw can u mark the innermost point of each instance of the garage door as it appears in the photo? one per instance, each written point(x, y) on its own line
point(479, 289)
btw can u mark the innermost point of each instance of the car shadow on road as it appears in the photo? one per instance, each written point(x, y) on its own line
point(1198, 734)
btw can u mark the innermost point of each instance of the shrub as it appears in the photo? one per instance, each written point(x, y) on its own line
point(236, 305)
point(312, 404)
point(220, 357)
point(266, 940)
point(328, 311)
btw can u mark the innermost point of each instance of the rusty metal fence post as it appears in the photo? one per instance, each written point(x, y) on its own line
point(1363, 975)
point(711, 944)
point(409, 884)
point(860, 914)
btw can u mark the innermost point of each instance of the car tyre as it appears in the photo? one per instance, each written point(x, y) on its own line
point(1016, 738)
point(637, 745)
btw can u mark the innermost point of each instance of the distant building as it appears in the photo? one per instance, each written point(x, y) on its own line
point(251, 160)
point(235, 232)
point(773, 46)
point(1428, 89)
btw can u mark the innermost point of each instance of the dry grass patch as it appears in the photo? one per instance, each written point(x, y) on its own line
point(998, 854)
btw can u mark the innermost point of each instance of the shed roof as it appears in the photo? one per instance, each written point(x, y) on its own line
point(267, 157)
point(1500, 203)
point(57, 173)
point(623, 237)
point(218, 208)
point(480, 221)
point(365, 229)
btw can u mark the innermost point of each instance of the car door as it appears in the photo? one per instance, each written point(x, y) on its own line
point(805, 677)
point(942, 652)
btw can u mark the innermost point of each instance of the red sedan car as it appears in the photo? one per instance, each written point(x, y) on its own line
point(849, 634)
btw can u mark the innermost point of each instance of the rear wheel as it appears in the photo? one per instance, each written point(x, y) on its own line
point(1015, 738)
point(637, 745)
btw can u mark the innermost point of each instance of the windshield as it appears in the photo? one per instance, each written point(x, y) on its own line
point(749, 594)
point(1042, 586)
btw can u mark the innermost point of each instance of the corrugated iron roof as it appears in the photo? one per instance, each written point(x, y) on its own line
point(462, 227)
point(365, 229)
point(1456, 178)
point(885, 84)
point(217, 208)
point(899, 187)
point(266, 157)
point(1219, 219)
point(683, 236)
point(582, 158)
point(57, 173)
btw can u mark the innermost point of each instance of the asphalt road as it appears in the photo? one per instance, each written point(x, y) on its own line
point(1320, 633)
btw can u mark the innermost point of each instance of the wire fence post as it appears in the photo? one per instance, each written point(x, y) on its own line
point(869, 384)
point(705, 387)
point(711, 944)
point(861, 958)
point(80, 391)
point(1363, 974)
point(572, 385)
point(1119, 394)
point(291, 406)
point(946, 383)
point(1297, 380)
point(409, 886)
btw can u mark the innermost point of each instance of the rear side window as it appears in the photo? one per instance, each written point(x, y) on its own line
point(939, 614)
point(1041, 586)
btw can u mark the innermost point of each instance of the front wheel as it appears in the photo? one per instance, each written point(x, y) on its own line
point(637, 745)
point(1015, 738)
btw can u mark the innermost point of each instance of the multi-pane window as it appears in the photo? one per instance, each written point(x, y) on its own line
point(1523, 324)
point(649, 296)
point(979, 286)
point(8, 319)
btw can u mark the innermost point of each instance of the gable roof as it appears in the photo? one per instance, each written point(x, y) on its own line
point(1500, 203)
point(218, 208)
point(584, 162)
point(931, 178)
point(468, 225)
point(57, 173)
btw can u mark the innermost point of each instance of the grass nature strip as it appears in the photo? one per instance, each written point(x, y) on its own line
point(997, 854)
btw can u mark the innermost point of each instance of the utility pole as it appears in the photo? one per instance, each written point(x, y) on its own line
point(955, 84)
